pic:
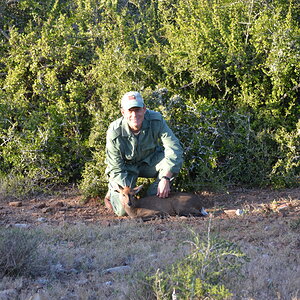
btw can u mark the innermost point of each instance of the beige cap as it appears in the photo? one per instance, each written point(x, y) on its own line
point(132, 99)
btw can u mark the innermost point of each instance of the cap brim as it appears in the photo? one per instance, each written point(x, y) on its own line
point(132, 104)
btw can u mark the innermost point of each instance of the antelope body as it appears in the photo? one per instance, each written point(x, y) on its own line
point(182, 204)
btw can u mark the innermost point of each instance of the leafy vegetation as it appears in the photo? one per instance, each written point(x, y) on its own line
point(200, 274)
point(224, 73)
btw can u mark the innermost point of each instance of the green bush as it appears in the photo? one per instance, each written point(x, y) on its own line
point(224, 73)
point(201, 274)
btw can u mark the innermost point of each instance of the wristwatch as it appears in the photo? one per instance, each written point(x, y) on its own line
point(166, 177)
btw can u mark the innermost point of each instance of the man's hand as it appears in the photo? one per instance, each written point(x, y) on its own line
point(163, 189)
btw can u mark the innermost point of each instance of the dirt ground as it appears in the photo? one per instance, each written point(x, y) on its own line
point(264, 222)
point(67, 206)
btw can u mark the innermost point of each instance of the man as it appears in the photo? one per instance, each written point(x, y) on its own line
point(140, 144)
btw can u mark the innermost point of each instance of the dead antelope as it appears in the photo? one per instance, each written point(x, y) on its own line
point(182, 204)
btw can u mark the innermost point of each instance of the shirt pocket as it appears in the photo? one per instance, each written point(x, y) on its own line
point(128, 152)
point(148, 147)
point(147, 142)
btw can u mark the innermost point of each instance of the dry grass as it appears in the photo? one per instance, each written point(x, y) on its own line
point(274, 270)
point(74, 258)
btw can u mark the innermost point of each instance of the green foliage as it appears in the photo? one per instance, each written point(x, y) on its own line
point(287, 167)
point(200, 274)
point(43, 115)
point(222, 148)
point(224, 73)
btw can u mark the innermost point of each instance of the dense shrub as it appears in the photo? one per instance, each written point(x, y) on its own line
point(224, 73)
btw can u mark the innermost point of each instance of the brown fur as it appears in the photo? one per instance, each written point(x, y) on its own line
point(183, 204)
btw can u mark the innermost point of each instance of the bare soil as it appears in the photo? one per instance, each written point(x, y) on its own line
point(264, 222)
point(67, 206)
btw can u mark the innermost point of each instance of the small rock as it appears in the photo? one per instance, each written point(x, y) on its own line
point(82, 282)
point(204, 212)
point(239, 212)
point(15, 203)
point(42, 219)
point(22, 225)
point(120, 269)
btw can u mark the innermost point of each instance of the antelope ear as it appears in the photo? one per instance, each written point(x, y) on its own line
point(137, 189)
point(118, 188)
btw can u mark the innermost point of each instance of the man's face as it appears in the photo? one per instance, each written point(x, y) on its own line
point(134, 117)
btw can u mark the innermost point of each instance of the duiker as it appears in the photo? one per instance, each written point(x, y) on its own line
point(182, 204)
